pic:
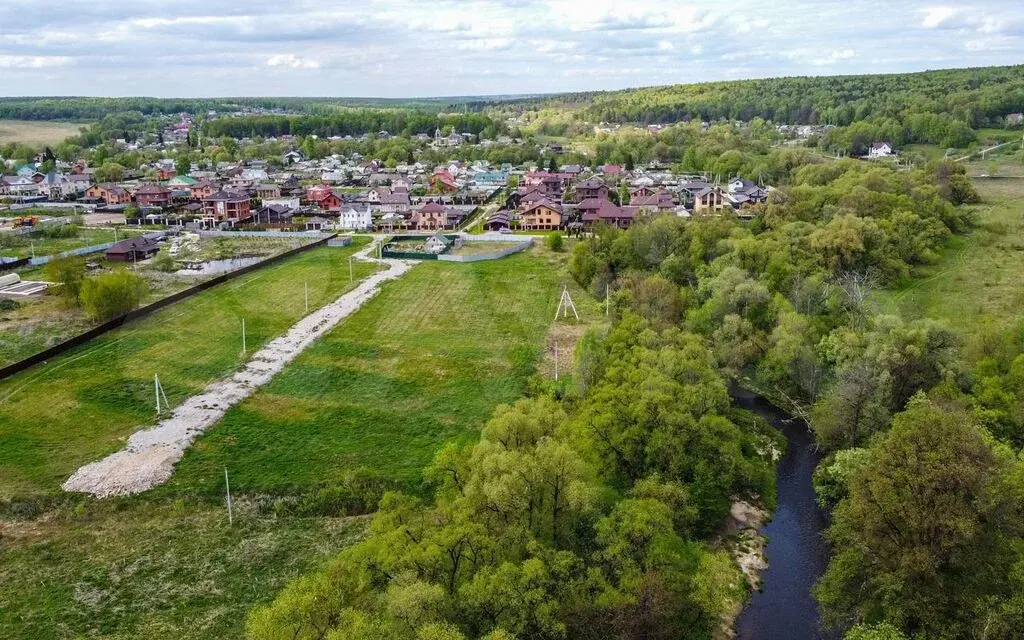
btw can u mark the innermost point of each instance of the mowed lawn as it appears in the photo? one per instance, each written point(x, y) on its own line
point(980, 279)
point(83, 405)
point(424, 362)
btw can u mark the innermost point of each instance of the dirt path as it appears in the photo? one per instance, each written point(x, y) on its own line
point(150, 455)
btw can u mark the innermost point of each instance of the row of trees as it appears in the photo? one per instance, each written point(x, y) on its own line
point(354, 122)
point(582, 519)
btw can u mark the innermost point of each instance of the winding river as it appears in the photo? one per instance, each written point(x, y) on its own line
point(797, 553)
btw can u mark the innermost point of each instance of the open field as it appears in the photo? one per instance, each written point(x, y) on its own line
point(424, 362)
point(124, 570)
point(33, 132)
point(78, 408)
point(978, 281)
point(38, 244)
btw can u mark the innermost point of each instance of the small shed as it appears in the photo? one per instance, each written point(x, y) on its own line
point(316, 223)
point(132, 250)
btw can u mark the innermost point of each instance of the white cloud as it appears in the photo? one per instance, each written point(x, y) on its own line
point(33, 62)
point(293, 61)
point(935, 16)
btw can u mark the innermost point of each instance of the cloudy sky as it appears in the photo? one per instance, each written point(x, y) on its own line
point(404, 48)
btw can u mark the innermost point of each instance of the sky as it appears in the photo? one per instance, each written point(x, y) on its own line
point(417, 48)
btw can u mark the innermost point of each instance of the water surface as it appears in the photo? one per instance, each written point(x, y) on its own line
point(797, 553)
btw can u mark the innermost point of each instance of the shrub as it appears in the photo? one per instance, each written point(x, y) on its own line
point(555, 241)
point(70, 273)
point(113, 294)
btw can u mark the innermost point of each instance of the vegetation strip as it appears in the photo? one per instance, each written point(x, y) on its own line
point(149, 457)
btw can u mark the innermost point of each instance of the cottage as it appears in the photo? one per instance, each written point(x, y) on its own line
point(153, 195)
point(109, 193)
point(443, 182)
point(227, 205)
point(132, 250)
point(880, 150)
point(542, 215)
point(355, 217)
point(592, 188)
point(430, 216)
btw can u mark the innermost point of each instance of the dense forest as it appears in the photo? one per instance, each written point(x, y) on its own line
point(975, 96)
point(92, 108)
point(352, 122)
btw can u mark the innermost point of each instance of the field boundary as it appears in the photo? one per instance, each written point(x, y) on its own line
point(494, 255)
point(149, 309)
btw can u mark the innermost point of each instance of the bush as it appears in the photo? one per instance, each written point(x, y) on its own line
point(555, 241)
point(6, 304)
point(70, 273)
point(111, 295)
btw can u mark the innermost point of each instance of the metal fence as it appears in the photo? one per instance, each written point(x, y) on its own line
point(316, 235)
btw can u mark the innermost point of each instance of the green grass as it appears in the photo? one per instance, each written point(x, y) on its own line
point(424, 362)
point(127, 569)
point(23, 246)
point(33, 132)
point(80, 406)
point(471, 248)
point(979, 279)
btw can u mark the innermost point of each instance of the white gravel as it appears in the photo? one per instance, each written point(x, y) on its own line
point(150, 455)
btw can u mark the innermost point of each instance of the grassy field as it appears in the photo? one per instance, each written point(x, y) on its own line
point(979, 279)
point(82, 405)
point(31, 132)
point(423, 363)
point(121, 570)
point(35, 243)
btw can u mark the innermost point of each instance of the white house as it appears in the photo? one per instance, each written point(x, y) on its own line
point(880, 150)
point(355, 217)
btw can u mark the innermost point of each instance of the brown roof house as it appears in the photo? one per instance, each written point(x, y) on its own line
point(132, 250)
point(152, 195)
point(226, 205)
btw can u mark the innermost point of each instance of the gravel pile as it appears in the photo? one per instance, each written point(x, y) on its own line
point(150, 455)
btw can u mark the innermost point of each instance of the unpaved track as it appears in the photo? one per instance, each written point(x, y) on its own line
point(150, 455)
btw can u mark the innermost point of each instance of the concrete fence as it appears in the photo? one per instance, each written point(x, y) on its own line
point(494, 255)
point(312, 235)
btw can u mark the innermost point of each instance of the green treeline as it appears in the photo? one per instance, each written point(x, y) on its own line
point(975, 96)
point(920, 437)
point(90, 108)
point(581, 518)
point(352, 122)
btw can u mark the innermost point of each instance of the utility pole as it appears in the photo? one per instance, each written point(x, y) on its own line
point(305, 286)
point(158, 389)
point(351, 276)
point(556, 362)
point(607, 299)
point(243, 336)
point(227, 488)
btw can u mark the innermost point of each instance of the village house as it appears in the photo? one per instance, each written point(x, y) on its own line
point(132, 250)
point(153, 195)
point(443, 182)
point(227, 205)
point(203, 189)
point(498, 220)
point(355, 217)
point(431, 216)
point(109, 193)
point(880, 150)
point(745, 193)
point(598, 210)
point(267, 190)
point(541, 216)
point(273, 214)
point(592, 188)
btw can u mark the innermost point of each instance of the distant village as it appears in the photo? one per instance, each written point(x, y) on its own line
point(359, 194)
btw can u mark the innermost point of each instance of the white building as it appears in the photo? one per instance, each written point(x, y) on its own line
point(880, 150)
point(355, 217)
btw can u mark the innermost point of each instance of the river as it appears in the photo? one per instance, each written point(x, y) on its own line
point(797, 553)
